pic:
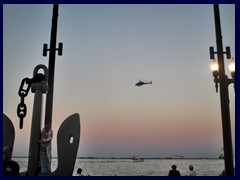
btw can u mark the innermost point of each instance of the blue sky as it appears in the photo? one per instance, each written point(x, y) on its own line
point(107, 48)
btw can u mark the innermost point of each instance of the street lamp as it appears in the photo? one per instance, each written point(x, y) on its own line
point(221, 78)
point(215, 71)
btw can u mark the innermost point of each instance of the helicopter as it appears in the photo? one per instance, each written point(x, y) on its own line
point(140, 83)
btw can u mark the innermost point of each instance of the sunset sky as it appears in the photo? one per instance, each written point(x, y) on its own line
point(106, 50)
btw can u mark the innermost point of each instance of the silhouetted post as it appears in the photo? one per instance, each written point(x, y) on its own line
point(39, 88)
point(224, 97)
point(51, 65)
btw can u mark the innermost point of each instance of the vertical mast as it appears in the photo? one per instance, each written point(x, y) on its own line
point(51, 65)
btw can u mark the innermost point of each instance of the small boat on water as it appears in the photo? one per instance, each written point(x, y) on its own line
point(175, 157)
point(137, 159)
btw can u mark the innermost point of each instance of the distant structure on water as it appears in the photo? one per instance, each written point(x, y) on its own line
point(137, 159)
point(175, 157)
point(221, 156)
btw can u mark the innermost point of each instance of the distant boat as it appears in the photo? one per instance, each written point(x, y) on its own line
point(175, 157)
point(221, 156)
point(137, 159)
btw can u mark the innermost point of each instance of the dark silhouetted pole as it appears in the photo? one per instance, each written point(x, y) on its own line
point(51, 65)
point(224, 97)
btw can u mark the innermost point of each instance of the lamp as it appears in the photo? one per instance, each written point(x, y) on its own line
point(221, 78)
point(214, 68)
point(231, 68)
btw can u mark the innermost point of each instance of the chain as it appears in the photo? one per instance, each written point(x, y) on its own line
point(22, 108)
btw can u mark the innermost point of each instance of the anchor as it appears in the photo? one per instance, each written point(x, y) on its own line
point(68, 135)
point(8, 133)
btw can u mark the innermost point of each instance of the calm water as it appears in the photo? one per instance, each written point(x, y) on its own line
point(125, 167)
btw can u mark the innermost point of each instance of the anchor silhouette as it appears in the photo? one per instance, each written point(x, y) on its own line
point(8, 133)
point(68, 135)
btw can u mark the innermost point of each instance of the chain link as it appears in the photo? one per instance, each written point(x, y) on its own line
point(21, 110)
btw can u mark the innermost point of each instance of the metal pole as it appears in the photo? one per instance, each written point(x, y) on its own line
point(51, 66)
point(224, 98)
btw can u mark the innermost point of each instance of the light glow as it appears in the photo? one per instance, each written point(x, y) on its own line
point(231, 66)
point(214, 65)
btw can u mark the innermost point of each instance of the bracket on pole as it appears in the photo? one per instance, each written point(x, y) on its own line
point(59, 49)
point(228, 52)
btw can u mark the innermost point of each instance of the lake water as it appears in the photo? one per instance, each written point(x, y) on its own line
point(150, 167)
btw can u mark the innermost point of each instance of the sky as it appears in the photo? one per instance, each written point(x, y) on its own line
point(107, 48)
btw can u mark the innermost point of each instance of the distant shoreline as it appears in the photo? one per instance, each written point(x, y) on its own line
point(129, 158)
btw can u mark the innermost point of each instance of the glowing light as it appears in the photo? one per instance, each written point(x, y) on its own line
point(231, 66)
point(214, 65)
